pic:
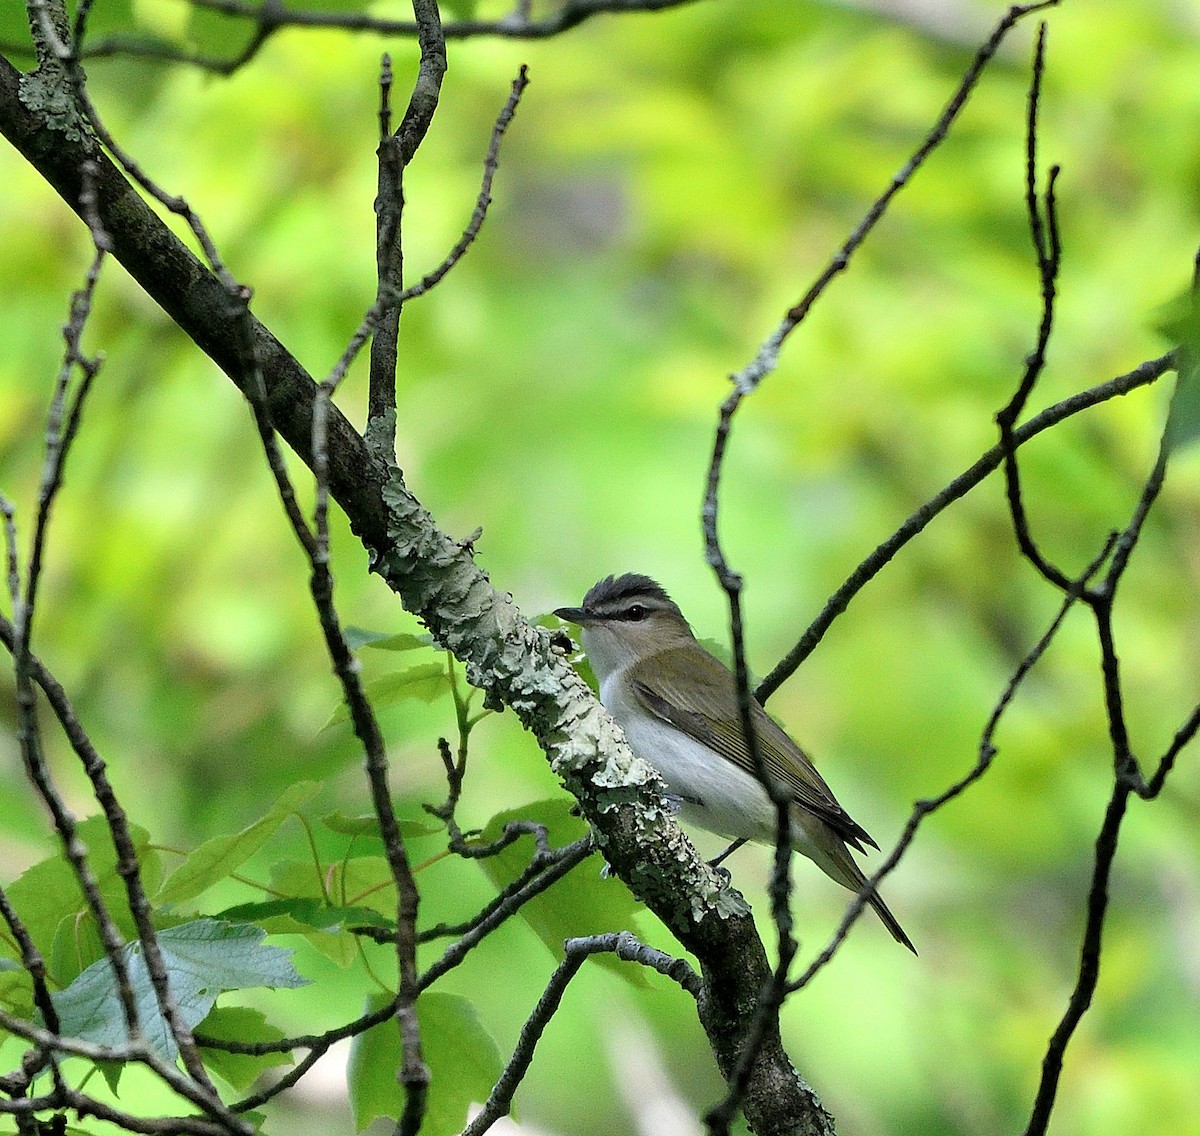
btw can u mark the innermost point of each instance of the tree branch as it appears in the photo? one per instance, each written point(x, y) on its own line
point(986, 464)
point(269, 18)
point(436, 579)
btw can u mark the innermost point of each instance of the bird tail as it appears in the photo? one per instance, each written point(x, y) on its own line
point(834, 859)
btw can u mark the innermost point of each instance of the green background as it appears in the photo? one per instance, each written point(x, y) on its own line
point(671, 184)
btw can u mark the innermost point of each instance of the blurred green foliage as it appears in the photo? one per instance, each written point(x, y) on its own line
point(671, 184)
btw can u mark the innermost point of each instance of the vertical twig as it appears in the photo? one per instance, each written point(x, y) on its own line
point(396, 150)
point(878, 559)
point(771, 998)
point(1048, 251)
point(745, 382)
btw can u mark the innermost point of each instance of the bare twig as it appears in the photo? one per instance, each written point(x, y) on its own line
point(744, 383)
point(1127, 780)
point(490, 163)
point(767, 357)
point(986, 753)
point(498, 913)
point(379, 307)
point(137, 1051)
point(871, 566)
point(772, 996)
point(1048, 251)
point(396, 150)
point(270, 17)
point(625, 947)
point(534, 880)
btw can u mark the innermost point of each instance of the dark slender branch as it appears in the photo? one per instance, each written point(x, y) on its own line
point(871, 566)
point(1089, 960)
point(49, 1040)
point(317, 1044)
point(512, 832)
point(35, 966)
point(423, 102)
point(396, 150)
point(61, 432)
point(1049, 255)
point(1133, 531)
point(532, 881)
point(766, 1014)
point(1127, 780)
point(270, 17)
point(768, 353)
point(625, 947)
point(1166, 763)
point(497, 913)
point(986, 753)
point(456, 771)
point(490, 163)
point(745, 382)
point(389, 269)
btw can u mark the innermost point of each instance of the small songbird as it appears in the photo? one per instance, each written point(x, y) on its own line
point(678, 707)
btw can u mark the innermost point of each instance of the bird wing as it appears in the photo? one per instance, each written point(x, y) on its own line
point(704, 706)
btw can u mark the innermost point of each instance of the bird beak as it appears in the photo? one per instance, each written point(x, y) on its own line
point(572, 615)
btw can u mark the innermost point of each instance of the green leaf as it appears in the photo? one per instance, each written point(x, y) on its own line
point(462, 1058)
point(582, 903)
point(239, 1023)
point(1179, 321)
point(203, 959)
point(49, 892)
point(1183, 419)
point(77, 944)
point(303, 915)
point(363, 881)
point(383, 641)
point(215, 859)
point(368, 825)
point(424, 682)
point(461, 9)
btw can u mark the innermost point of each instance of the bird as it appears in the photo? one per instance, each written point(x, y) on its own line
point(677, 705)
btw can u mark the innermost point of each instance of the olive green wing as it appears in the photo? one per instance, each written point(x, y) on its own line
point(696, 693)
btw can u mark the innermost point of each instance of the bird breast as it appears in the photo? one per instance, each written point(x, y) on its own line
point(713, 792)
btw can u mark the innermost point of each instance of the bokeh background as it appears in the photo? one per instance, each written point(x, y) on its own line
point(671, 184)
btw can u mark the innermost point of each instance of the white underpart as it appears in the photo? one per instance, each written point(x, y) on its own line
point(714, 793)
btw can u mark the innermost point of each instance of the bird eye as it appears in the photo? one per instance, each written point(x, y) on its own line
point(636, 612)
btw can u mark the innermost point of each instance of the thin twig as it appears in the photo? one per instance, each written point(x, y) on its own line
point(396, 150)
point(625, 947)
point(871, 566)
point(1127, 780)
point(767, 357)
point(137, 1051)
point(986, 754)
point(532, 881)
point(490, 163)
point(1048, 252)
point(270, 17)
point(771, 998)
point(498, 913)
